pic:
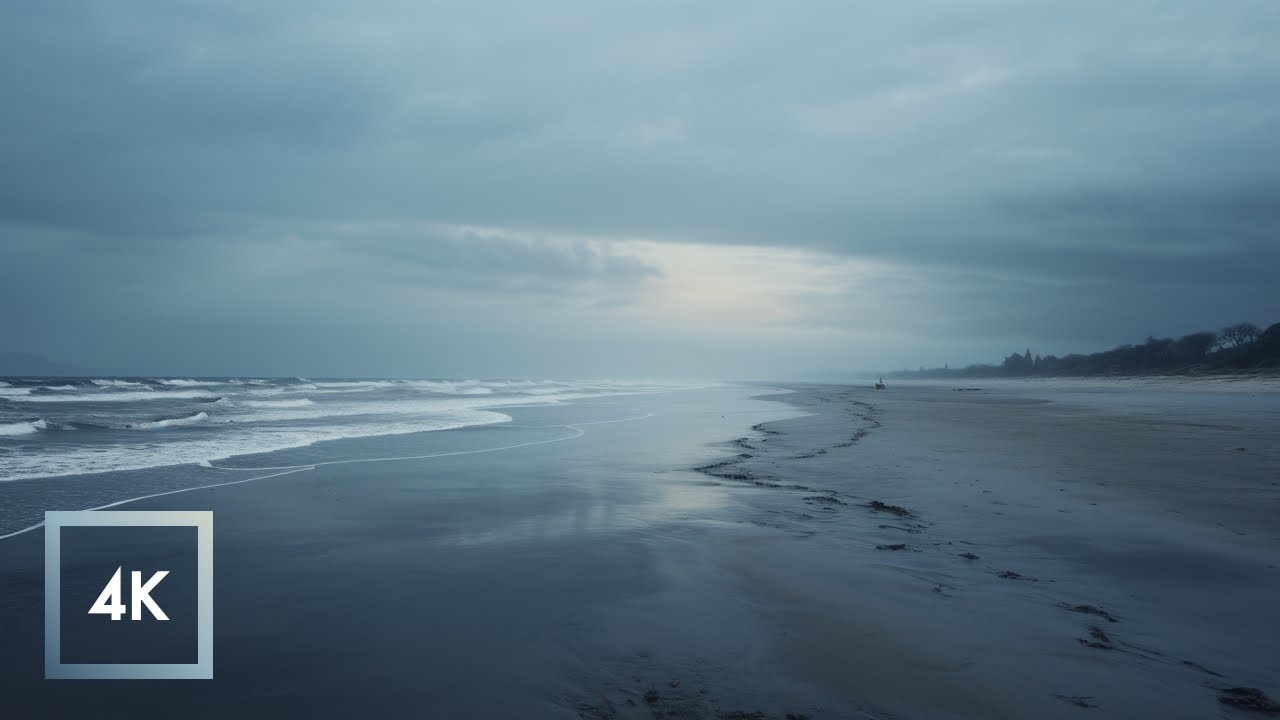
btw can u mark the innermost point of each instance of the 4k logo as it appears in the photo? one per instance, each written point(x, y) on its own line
point(137, 595)
point(109, 602)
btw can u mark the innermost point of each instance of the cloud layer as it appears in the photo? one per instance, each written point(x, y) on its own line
point(719, 188)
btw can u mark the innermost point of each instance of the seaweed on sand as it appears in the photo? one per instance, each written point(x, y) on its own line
point(877, 506)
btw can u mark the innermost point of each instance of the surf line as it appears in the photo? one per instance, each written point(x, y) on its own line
point(290, 469)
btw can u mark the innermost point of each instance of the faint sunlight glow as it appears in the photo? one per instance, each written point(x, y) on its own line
point(743, 285)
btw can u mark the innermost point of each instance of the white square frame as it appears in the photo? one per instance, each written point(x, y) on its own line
point(54, 668)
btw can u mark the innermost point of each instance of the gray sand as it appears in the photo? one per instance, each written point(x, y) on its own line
point(1147, 513)
point(604, 577)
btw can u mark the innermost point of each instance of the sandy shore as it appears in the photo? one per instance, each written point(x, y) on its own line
point(913, 553)
point(1019, 553)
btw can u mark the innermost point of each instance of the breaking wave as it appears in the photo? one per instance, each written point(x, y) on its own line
point(240, 441)
point(22, 428)
point(127, 396)
point(111, 424)
point(169, 422)
point(449, 387)
point(300, 402)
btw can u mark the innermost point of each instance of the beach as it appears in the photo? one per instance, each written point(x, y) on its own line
point(742, 552)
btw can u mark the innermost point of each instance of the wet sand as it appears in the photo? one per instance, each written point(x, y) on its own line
point(1022, 552)
point(911, 553)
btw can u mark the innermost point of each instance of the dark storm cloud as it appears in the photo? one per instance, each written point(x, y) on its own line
point(1032, 171)
point(488, 260)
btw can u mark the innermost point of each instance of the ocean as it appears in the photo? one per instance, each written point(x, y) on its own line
point(56, 431)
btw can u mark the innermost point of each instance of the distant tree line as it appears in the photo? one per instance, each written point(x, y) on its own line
point(1243, 346)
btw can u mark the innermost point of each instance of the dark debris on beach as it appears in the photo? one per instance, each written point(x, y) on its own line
point(825, 499)
point(1083, 701)
point(1097, 639)
point(878, 506)
point(1089, 610)
point(1251, 699)
point(899, 527)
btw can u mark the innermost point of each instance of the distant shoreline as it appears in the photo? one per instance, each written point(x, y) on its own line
point(1269, 372)
point(1240, 349)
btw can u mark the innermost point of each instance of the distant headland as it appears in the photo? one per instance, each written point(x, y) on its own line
point(17, 364)
point(1243, 347)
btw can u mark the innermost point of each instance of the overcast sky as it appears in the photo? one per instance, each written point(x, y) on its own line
point(659, 189)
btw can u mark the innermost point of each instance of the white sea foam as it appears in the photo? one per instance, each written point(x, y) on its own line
point(191, 383)
point(411, 405)
point(116, 383)
point(299, 402)
point(238, 419)
point(22, 428)
point(60, 387)
point(126, 396)
point(450, 387)
point(269, 391)
point(169, 422)
point(14, 392)
point(238, 441)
